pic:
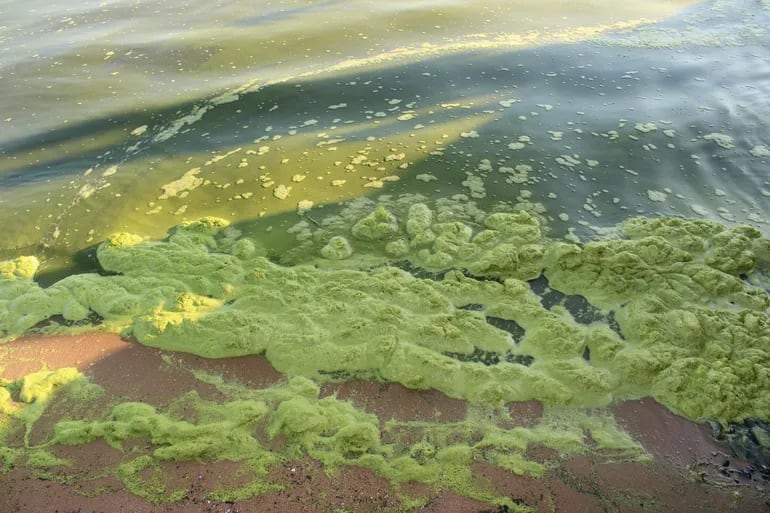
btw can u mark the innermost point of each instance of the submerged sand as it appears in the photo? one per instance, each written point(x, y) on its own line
point(689, 471)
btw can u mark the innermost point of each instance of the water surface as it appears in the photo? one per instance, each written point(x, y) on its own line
point(136, 116)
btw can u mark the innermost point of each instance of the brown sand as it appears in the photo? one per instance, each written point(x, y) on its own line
point(687, 475)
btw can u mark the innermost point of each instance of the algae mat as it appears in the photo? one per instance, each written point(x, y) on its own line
point(481, 307)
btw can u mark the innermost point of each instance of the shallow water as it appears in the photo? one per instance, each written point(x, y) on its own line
point(242, 112)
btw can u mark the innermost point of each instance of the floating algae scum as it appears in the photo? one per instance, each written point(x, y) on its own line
point(466, 231)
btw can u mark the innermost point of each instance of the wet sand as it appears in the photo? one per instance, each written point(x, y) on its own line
point(690, 472)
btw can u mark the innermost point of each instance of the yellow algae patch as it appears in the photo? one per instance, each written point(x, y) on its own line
point(22, 267)
point(23, 402)
point(5, 401)
point(38, 386)
point(722, 140)
point(188, 182)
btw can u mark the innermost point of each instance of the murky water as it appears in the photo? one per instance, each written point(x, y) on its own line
point(136, 116)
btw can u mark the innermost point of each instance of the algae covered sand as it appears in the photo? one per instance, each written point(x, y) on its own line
point(481, 306)
point(153, 409)
point(258, 429)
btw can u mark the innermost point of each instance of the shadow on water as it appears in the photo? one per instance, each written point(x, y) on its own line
point(83, 261)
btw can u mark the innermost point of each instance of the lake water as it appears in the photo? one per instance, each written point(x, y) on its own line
point(138, 115)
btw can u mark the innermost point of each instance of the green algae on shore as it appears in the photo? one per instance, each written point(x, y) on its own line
point(241, 429)
point(23, 401)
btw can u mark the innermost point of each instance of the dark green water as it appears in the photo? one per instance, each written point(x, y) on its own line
point(136, 116)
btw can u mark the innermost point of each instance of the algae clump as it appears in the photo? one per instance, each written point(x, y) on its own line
point(38, 386)
point(672, 316)
point(378, 225)
point(338, 248)
point(23, 401)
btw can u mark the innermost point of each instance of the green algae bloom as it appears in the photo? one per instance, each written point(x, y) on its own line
point(39, 386)
point(687, 329)
point(481, 306)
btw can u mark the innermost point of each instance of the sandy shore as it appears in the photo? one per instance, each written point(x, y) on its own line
point(690, 472)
